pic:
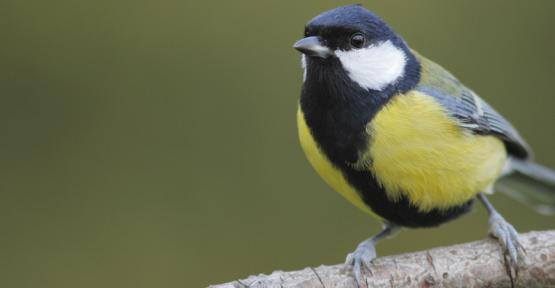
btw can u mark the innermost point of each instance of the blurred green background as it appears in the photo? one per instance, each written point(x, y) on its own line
point(153, 143)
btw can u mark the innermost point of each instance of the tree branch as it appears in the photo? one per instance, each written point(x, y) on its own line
point(475, 264)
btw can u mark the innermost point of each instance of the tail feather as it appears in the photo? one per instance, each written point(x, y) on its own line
point(531, 184)
point(535, 171)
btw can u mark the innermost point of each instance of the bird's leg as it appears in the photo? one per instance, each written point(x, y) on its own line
point(366, 252)
point(505, 234)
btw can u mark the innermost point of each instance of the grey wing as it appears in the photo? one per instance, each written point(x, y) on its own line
point(471, 111)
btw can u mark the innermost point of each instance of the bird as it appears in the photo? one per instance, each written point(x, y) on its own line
point(403, 139)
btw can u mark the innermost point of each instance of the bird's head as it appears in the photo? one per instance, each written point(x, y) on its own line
point(355, 40)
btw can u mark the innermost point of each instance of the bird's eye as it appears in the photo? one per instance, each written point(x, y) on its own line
point(306, 32)
point(358, 40)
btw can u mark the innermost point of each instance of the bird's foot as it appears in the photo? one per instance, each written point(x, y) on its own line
point(361, 258)
point(508, 239)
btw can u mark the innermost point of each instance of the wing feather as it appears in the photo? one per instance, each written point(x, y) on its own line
point(470, 111)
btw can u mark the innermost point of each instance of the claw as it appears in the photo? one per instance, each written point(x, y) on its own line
point(361, 258)
point(509, 240)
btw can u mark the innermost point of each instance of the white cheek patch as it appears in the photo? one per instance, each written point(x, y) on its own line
point(374, 67)
point(303, 64)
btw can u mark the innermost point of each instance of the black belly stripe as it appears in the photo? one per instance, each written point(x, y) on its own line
point(399, 212)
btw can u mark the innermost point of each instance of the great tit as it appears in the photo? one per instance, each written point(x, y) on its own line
point(399, 136)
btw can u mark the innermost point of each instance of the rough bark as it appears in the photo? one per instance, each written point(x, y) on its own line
point(475, 264)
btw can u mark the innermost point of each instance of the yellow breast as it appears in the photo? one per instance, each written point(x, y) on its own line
point(418, 152)
point(331, 175)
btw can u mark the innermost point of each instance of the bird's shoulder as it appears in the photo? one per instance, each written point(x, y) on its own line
point(434, 76)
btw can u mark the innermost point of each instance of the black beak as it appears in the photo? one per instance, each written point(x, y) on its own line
point(311, 46)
